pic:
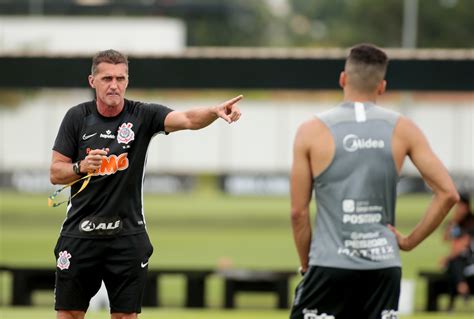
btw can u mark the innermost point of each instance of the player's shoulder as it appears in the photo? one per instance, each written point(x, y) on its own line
point(312, 123)
point(311, 127)
point(137, 106)
point(405, 124)
point(81, 110)
point(383, 113)
point(407, 131)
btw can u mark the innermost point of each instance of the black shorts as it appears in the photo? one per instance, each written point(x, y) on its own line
point(347, 294)
point(82, 265)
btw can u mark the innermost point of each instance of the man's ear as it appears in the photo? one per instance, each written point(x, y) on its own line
point(342, 79)
point(381, 87)
point(91, 81)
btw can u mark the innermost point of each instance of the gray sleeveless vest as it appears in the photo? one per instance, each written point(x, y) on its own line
point(356, 194)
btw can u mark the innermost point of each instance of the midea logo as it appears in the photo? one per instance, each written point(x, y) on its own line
point(352, 143)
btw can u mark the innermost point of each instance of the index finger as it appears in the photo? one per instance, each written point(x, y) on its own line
point(234, 100)
point(99, 151)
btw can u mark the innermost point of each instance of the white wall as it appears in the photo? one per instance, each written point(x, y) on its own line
point(260, 142)
point(87, 35)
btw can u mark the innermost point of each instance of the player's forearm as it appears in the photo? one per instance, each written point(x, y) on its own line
point(302, 235)
point(436, 212)
point(201, 117)
point(62, 173)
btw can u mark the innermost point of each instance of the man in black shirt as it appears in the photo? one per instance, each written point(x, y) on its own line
point(104, 236)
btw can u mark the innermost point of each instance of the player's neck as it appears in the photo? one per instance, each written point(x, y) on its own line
point(354, 96)
point(109, 110)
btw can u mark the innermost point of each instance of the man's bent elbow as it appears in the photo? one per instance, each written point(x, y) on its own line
point(298, 214)
point(53, 177)
point(452, 197)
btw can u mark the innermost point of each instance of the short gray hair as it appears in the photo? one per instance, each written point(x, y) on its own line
point(108, 56)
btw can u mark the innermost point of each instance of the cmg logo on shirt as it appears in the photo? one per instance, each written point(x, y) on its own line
point(352, 143)
point(112, 164)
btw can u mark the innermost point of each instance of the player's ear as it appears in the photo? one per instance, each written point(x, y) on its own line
point(342, 79)
point(381, 87)
point(91, 81)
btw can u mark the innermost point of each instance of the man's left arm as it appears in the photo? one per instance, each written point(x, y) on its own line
point(197, 118)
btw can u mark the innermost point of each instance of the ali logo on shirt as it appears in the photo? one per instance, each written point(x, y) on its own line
point(112, 164)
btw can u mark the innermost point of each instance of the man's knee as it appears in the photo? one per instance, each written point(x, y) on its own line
point(70, 314)
point(120, 315)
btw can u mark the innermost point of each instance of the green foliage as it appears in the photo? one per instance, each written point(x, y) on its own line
point(446, 23)
point(243, 24)
point(441, 23)
point(334, 23)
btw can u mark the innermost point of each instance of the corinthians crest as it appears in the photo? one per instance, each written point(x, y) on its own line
point(125, 134)
point(63, 260)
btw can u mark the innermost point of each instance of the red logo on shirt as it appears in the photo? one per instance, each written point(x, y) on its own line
point(112, 164)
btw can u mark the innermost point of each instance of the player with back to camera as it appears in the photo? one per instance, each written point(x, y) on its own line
point(351, 156)
point(104, 236)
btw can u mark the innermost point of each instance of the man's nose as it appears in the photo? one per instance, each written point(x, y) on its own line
point(113, 83)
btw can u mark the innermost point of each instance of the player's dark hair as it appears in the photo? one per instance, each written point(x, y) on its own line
point(366, 66)
point(108, 56)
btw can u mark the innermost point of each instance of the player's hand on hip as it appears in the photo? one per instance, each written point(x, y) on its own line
point(229, 110)
point(93, 160)
point(402, 240)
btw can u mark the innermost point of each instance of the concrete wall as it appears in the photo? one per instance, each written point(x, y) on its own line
point(260, 142)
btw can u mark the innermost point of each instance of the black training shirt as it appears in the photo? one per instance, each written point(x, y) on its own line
point(111, 205)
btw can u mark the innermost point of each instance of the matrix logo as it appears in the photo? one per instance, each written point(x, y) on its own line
point(389, 314)
point(313, 314)
point(352, 143)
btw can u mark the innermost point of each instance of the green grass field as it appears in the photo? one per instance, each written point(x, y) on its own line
point(40, 313)
point(198, 231)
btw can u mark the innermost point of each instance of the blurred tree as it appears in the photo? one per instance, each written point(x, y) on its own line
point(446, 23)
point(244, 23)
point(335, 23)
point(441, 23)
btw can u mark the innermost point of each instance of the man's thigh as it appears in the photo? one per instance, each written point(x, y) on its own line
point(382, 293)
point(78, 272)
point(125, 274)
point(325, 291)
point(342, 293)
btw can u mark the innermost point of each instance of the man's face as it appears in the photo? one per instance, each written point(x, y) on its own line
point(110, 83)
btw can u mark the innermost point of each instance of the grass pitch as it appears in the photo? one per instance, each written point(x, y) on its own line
point(199, 231)
point(41, 313)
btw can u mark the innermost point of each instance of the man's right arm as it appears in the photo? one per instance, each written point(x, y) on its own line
point(301, 186)
point(415, 145)
point(61, 171)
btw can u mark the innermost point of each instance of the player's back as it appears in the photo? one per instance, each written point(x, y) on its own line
point(356, 193)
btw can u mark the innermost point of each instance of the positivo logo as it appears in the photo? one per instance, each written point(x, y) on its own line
point(352, 143)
